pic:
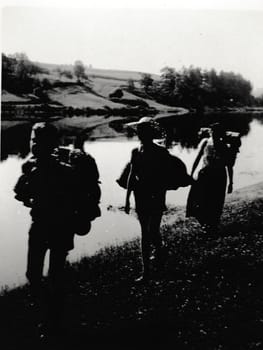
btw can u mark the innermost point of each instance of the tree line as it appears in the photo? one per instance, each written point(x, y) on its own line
point(20, 74)
point(196, 88)
point(191, 87)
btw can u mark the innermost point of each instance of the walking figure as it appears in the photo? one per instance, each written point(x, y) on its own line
point(207, 194)
point(48, 187)
point(147, 181)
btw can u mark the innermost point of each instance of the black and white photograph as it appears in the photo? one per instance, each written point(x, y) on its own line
point(131, 210)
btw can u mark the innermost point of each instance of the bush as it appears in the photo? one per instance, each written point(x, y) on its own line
point(66, 73)
point(116, 94)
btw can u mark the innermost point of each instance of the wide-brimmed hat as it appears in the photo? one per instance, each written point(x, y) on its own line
point(143, 121)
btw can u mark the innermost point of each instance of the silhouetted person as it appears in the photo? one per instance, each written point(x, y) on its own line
point(52, 188)
point(207, 195)
point(146, 180)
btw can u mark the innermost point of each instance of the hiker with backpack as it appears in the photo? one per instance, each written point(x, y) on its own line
point(207, 195)
point(55, 191)
point(148, 177)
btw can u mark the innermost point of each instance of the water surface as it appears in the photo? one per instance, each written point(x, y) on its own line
point(113, 227)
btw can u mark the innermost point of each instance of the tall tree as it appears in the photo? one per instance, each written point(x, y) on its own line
point(131, 86)
point(79, 70)
point(146, 82)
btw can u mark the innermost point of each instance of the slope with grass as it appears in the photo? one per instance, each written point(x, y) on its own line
point(78, 97)
point(93, 93)
point(207, 296)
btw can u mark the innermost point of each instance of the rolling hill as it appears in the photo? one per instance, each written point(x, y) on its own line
point(93, 93)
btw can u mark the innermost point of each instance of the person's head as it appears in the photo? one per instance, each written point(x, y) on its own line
point(44, 139)
point(217, 131)
point(145, 129)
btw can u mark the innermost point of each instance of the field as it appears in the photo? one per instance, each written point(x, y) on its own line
point(89, 96)
point(207, 296)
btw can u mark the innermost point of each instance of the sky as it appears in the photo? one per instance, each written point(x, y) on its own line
point(134, 35)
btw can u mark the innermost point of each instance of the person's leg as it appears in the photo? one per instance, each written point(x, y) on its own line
point(37, 249)
point(145, 243)
point(215, 202)
point(56, 284)
point(155, 235)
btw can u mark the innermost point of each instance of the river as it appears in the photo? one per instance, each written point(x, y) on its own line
point(114, 226)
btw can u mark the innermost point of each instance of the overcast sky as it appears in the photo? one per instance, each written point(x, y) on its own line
point(135, 38)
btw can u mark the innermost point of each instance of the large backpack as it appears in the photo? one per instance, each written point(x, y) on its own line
point(175, 174)
point(86, 188)
point(123, 178)
point(22, 186)
point(233, 140)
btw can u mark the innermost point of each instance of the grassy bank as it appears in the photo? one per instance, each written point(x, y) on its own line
point(209, 294)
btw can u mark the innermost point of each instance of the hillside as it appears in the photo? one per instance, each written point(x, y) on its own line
point(207, 296)
point(59, 86)
point(98, 72)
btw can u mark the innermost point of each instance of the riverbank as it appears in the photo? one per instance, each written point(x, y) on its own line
point(208, 296)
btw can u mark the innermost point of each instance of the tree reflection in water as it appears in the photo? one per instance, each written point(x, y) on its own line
point(182, 130)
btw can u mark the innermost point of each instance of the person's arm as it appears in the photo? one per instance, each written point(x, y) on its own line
point(129, 190)
point(230, 178)
point(130, 181)
point(230, 161)
point(199, 155)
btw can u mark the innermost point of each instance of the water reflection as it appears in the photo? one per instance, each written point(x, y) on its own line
point(15, 140)
point(182, 130)
point(185, 130)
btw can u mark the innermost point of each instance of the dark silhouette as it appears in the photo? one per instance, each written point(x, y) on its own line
point(207, 195)
point(146, 180)
point(116, 94)
point(86, 187)
point(151, 172)
point(55, 192)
